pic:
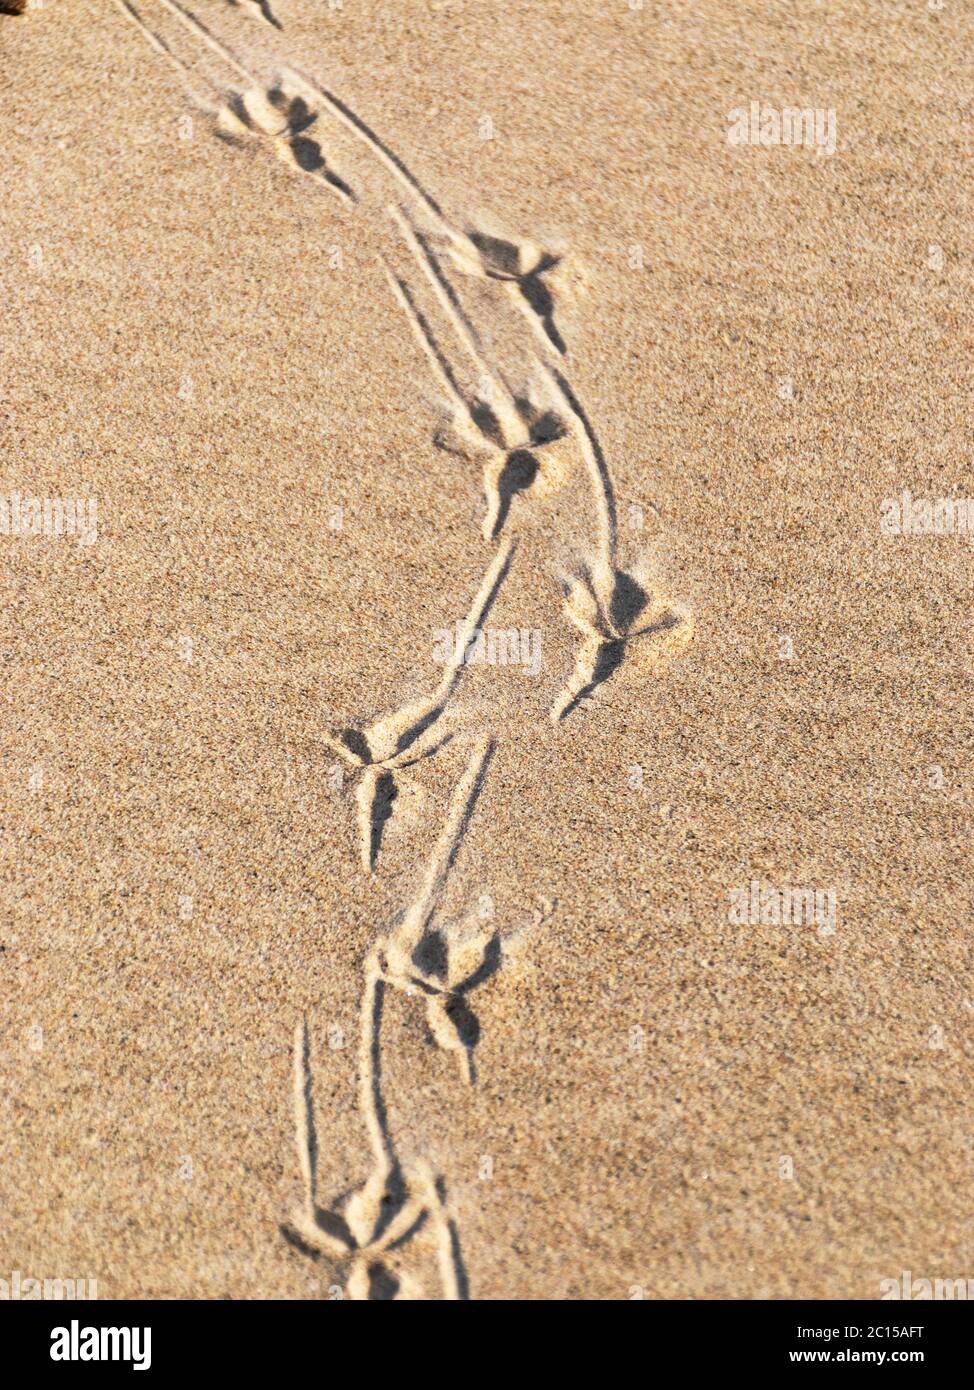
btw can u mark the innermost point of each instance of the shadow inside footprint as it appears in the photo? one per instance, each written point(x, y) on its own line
point(489, 966)
point(356, 743)
point(518, 473)
point(541, 300)
point(607, 663)
point(629, 598)
point(505, 260)
point(383, 1284)
point(386, 792)
point(487, 422)
point(263, 8)
point(464, 1020)
point(546, 427)
point(611, 653)
point(499, 255)
point(309, 159)
point(431, 955)
point(307, 154)
point(333, 1224)
point(297, 111)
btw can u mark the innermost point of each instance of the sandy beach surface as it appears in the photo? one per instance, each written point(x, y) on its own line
point(486, 740)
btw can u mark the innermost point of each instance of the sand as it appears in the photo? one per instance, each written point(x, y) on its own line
point(353, 331)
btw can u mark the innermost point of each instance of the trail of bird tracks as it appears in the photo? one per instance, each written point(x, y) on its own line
point(526, 443)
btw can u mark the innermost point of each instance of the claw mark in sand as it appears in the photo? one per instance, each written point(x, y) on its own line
point(541, 280)
point(364, 1229)
point(259, 9)
point(602, 600)
point(408, 735)
point(280, 113)
point(517, 440)
point(445, 963)
point(605, 605)
point(284, 117)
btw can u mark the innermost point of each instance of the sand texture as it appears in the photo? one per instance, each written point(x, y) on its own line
point(486, 743)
